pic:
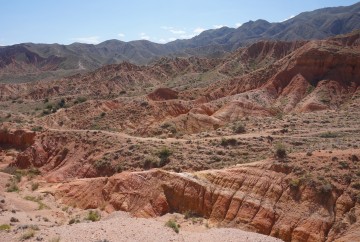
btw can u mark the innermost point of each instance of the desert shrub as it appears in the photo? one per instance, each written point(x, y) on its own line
point(102, 164)
point(119, 168)
point(310, 89)
point(37, 129)
point(61, 103)
point(74, 221)
point(46, 112)
point(189, 214)
point(239, 128)
point(325, 188)
point(172, 224)
point(34, 186)
point(170, 127)
point(55, 239)
point(227, 142)
point(150, 162)
point(80, 100)
point(295, 183)
point(102, 114)
point(328, 135)
point(49, 106)
point(12, 186)
point(38, 201)
point(28, 234)
point(14, 220)
point(5, 227)
point(280, 151)
point(356, 186)
point(93, 216)
point(343, 165)
point(354, 158)
point(164, 155)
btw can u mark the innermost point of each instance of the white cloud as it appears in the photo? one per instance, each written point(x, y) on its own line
point(121, 35)
point(144, 36)
point(166, 27)
point(88, 40)
point(237, 25)
point(288, 18)
point(163, 41)
point(218, 26)
point(174, 31)
point(198, 30)
point(171, 39)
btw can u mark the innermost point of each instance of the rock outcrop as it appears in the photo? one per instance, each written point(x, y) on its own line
point(263, 197)
point(20, 139)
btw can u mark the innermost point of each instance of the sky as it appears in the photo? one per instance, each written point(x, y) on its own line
point(161, 21)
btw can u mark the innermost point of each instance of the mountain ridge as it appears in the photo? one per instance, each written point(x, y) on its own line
point(78, 57)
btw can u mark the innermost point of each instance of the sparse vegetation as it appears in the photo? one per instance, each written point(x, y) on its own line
point(55, 239)
point(38, 200)
point(80, 100)
point(5, 227)
point(93, 216)
point(295, 183)
point(328, 135)
point(171, 223)
point(34, 186)
point(280, 151)
point(226, 142)
point(164, 155)
point(37, 129)
point(28, 234)
point(74, 221)
point(239, 128)
point(356, 185)
point(150, 162)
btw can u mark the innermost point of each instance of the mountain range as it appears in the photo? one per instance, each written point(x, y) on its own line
point(29, 61)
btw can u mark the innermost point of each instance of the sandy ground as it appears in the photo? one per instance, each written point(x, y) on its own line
point(119, 226)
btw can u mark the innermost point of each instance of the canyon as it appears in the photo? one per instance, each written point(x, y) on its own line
point(264, 139)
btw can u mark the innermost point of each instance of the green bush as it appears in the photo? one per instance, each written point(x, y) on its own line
point(5, 227)
point(12, 187)
point(172, 224)
point(93, 216)
point(295, 183)
point(164, 155)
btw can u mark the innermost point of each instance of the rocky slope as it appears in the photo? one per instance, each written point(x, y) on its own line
point(286, 78)
point(275, 198)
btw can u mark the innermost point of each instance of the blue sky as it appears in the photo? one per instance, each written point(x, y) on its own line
point(90, 21)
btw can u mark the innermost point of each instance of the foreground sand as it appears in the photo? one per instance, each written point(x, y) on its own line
point(119, 226)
